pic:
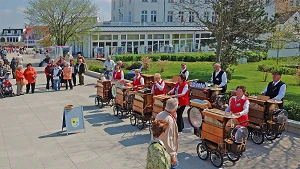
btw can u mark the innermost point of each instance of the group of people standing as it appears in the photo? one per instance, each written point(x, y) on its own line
point(64, 72)
point(168, 125)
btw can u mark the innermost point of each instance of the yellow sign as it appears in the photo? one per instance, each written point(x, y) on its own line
point(75, 122)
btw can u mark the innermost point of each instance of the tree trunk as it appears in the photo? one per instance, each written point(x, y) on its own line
point(219, 49)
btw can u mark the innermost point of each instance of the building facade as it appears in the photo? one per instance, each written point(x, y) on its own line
point(34, 34)
point(283, 6)
point(11, 35)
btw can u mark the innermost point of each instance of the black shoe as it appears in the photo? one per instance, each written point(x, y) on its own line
point(22, 94)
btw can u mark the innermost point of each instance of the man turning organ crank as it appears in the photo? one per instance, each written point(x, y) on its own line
point(276, 89)
point(219, 77)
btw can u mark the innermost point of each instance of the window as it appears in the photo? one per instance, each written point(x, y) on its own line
point(154, 0)
point(149, 36)
point(115, 37)
point(144, 0)
point(170, 1)
point(213, 17)
point(291, 2)
point(129, 17)
point(153, 16)
point(114, 5)
point(120, 3)
point(144, 16)
point(130, 1)
point(181, 16)
point(191, 17)
point(206, 15)
point(133, 37)
point(170, 16)
point(142, 36)
point(123, 37)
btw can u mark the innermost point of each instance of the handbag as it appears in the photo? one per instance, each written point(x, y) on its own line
point(23, 82)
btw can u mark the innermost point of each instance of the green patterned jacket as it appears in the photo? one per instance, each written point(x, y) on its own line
point(157, 156)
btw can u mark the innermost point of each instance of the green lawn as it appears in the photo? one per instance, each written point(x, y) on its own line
point(244, 74)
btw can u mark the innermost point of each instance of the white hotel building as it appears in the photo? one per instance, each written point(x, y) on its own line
point(148, 26)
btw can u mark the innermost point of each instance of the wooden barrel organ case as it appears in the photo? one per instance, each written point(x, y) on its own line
point(104, 94)
point(217, 140)
point(142, 108)
point(124, 101)
point(265, 118)
point(148, 80)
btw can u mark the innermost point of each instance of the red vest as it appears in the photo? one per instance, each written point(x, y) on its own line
point(157, 91)
point(184, 100)
point(137, 82)
point(117, 75)
point(237, 107)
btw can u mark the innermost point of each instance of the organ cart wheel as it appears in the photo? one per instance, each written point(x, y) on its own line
point(271, 135)
point(115, 110)
point(97, 100)
point(100, 102)
point(216, 158)
point(119, 113)
point(140, 123)
point(112, 102)
point(132, 120)
point(202, 151)
point(257, 137)
point(233, 157)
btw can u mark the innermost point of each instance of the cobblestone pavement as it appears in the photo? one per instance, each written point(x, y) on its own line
point(31, 136)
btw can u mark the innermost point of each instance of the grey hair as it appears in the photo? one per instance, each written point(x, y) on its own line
point(67, 63)
point(20, 66)
point(172, 104)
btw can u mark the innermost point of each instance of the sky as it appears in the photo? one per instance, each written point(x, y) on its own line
point(11, 12)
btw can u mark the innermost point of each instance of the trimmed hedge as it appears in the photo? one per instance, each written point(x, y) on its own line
point(186, 57)
point(282, 69)
point(253, 56)
point(293, 109)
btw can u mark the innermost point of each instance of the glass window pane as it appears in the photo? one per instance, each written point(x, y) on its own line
point(175, 36)
point(189, 36)
point(167, 36)
point(115, 37)
point(142, 36)
point(123, 37)
point(133, 37)
point(95, 37)
point(182, 36)
point(158, 36)
point(149, 36)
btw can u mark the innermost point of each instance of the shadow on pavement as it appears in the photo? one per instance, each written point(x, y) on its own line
point(92, 96)
point(101, 119)
point(56, 134)
point(91, 84)
point(89, 108)
point(120, 129)
point(136, 140)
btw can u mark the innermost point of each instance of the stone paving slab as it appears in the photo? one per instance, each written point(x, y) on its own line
point(31, 137)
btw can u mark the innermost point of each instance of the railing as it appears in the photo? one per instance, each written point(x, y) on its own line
point(147, 24)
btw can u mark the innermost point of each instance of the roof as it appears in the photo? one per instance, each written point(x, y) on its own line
point(150, 28)
point(286, 16)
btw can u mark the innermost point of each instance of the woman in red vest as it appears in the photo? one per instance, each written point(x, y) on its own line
point(239, 105)
point(181, 91)
point(117, 74)
point(159, 86)
point(138, 80)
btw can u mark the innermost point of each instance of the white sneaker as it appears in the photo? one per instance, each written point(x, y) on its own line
point(48, 90)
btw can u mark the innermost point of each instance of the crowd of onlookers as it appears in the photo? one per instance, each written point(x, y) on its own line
point(64, 72)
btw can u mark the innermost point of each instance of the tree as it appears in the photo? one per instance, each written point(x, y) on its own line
point(236, 24)
point(280, 37)
point(66, 19)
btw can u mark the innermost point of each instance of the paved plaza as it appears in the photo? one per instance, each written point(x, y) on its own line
point(31, 136)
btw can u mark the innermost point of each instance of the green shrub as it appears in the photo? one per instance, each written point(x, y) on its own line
point(134, 65)
point(95, 68)
point(282, 69)
point(253, 56)
point(293, 109)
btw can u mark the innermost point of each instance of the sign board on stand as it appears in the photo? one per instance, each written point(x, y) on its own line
point(73, 119)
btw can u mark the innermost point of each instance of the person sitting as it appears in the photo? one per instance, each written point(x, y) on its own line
point(138, 80)
point(46, 60)
point(159, 86)
point(239, 105)
point(184, 71)
point(219, 78)
point(157, 156)
point(276, 89)
point(181, 91)
point(118, 74)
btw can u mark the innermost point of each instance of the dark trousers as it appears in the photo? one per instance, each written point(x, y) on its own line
point(70, 83)
point(180, 123)
point(28, 87)
point(14, 73)
point(81, 79)
point(74, 78)
point(49, 78)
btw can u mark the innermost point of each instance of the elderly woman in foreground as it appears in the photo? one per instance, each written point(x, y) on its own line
point(19, 78)
point(157, 156)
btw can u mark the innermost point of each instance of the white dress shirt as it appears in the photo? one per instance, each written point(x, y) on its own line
point(224, 78)
point(245, 108)
point(186, 73)
point(160, 87)
point(185, 89)
point(281, 92)
point(109, 64)
point(141, 80)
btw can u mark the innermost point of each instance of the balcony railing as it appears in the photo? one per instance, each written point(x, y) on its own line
point(148, 24)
